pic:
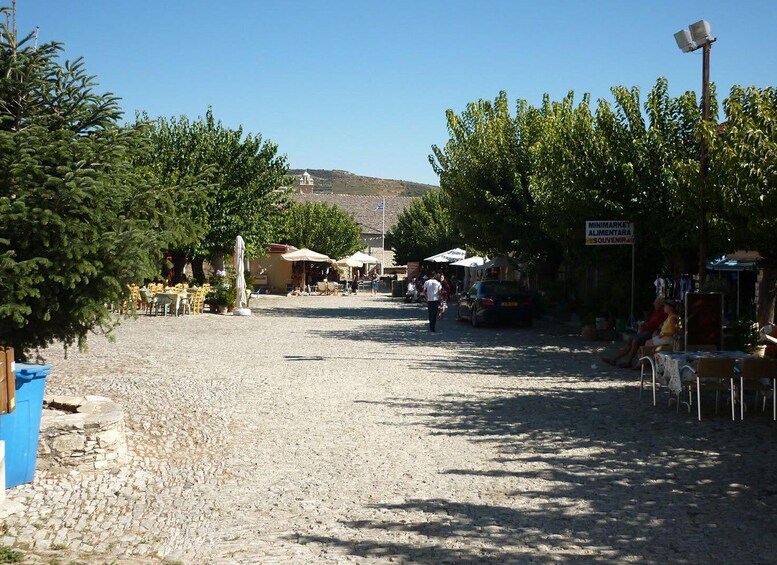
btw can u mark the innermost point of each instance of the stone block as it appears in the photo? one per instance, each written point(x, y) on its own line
point(67, 443)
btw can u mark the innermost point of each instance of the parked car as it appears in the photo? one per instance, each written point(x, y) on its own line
point(495, 301)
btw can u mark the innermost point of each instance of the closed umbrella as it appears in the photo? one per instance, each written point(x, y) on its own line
point(238, 261)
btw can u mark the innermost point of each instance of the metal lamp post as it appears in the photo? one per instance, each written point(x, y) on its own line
point(699, 36)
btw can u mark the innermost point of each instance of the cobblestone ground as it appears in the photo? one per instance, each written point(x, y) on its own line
point(338, 429)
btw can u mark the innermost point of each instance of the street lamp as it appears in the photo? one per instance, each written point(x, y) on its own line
point(699, 36)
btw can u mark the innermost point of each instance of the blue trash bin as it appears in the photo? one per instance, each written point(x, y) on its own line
point(20, 428)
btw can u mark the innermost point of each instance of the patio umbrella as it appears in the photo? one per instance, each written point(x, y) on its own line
point(469, 262)
point(305, 255)
point(238, 261)
point(364, 258)
point(449, 256)
point(349, 262)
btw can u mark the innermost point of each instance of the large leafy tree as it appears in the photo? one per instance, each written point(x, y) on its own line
point(485, 169)
point(744, 163)
point(322, 228)
point(424, 228)
point(73, 231)
point(622, 161)
point(243, 175)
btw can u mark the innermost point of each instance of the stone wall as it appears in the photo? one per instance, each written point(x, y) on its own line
point(83, 433)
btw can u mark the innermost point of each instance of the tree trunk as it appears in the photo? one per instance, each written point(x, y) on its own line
point(197, 269)
point(179, 264)
point(766, 294)
point(217, 260)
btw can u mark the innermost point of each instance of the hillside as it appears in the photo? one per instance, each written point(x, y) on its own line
point(343, 182)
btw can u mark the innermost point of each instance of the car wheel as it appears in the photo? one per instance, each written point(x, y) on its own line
point(473, 316)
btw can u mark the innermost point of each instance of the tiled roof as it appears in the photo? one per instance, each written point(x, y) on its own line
point(363, 208)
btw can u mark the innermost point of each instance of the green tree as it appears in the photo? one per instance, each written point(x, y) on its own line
point(72, 232)
point(322, 228)
point(622, 163)
point(485, 169)
point(424, 228)
point(744, 164)
point(242, 174)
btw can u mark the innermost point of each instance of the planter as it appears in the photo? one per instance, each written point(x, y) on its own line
point(222, 309)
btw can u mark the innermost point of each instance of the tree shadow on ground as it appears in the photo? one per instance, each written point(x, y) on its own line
point(584, 472)
point(593, 479)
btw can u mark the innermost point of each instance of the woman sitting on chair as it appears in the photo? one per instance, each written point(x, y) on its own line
point(666, 334)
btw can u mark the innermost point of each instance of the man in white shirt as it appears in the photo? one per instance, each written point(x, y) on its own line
point(432, 291)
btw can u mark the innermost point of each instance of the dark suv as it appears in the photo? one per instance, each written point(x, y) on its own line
point(495, 301)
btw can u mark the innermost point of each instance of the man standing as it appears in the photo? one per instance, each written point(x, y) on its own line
point(432, 290)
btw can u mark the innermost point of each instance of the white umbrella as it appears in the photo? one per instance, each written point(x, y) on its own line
point(304, 255)
point(449, 256)
point(469, 262)
point(364, 258)
point(238, 261)
point(349, 262)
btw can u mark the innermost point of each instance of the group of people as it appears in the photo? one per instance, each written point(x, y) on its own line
point(374, 282)
point(660, 329)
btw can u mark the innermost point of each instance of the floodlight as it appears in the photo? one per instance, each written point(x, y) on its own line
point(684, 41)
point(701, 32)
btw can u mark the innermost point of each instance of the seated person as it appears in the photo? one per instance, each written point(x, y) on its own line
point(412, 291)
point(666, 333)
point(625, 356)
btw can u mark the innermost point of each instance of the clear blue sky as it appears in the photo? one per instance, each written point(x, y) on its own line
point(363, 85)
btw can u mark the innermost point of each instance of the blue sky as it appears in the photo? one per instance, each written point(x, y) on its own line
point(364, 85)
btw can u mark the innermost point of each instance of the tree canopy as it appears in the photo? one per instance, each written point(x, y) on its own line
point(242, 175)
point(73, 231)
point(322, 228)
point(424, 228)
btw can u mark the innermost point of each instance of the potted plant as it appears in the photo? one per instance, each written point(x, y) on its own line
point(222, 293)
point(746, 337)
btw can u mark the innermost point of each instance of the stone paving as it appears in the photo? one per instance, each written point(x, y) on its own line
point(339, 430)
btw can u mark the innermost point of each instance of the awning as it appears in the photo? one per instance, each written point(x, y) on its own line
point(730, 264)
point(449, 256)
point(470, 262)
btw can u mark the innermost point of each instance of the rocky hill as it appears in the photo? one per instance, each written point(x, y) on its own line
point(343, 182)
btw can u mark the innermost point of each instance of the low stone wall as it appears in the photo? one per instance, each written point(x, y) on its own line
point(83, 433)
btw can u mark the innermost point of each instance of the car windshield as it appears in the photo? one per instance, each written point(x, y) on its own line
point(500, 289)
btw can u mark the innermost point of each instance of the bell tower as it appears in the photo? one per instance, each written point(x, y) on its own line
point(305, 183)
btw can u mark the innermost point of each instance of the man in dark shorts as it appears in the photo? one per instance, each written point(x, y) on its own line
point(625, 356)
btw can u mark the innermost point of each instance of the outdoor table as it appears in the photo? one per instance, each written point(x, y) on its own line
point(174, 297)
point(669, 363)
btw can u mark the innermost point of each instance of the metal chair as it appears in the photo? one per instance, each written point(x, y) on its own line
point(754, 372)
point(717, 375)
point(645, 358)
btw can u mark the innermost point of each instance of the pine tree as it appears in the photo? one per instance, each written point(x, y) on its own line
point(73, 231)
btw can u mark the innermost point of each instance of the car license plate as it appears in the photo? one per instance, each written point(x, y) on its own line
point(509, 304)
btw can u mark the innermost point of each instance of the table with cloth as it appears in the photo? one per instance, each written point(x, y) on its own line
point(669, 364)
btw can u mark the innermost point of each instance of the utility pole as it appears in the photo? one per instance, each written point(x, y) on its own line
point(383, 235)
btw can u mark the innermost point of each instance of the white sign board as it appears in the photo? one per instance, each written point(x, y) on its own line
point(609, 232)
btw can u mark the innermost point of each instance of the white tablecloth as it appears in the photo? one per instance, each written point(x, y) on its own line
point(668, 365)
